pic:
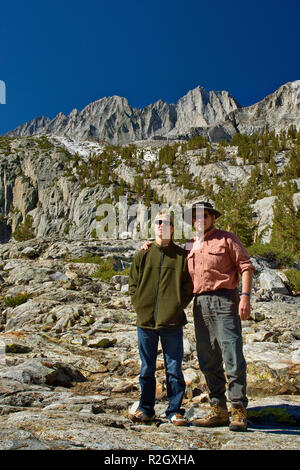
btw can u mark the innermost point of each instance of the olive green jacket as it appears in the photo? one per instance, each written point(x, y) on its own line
point(160, 286)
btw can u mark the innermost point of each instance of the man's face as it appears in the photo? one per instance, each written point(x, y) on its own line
point(163, 228)
point(203, 220)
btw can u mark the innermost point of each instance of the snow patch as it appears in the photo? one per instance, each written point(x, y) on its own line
point(83, 148)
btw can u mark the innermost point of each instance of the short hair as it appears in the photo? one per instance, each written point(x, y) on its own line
point(165, 213)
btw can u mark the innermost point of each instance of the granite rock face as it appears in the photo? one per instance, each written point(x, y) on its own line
point(214, 114)
point(113, 120)
point(40, 181)
point(277, 111)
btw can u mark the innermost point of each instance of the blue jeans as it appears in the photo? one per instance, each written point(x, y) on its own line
point(172, 346)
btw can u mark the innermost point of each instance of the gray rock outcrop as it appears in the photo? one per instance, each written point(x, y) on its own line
point(277, 111)
point(40, 183)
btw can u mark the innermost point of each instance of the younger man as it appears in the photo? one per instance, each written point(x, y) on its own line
point(160, 289)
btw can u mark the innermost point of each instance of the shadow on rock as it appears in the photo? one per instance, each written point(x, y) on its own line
point(280, 419)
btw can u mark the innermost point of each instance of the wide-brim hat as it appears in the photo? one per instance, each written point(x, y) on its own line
point(200, 205)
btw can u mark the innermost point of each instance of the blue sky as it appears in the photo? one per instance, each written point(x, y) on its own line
point(60, 55)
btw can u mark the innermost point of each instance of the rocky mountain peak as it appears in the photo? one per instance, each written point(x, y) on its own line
point(276, 112)
point(215, 114)
point(34, 126)
point(112, 118)
point(202, 108)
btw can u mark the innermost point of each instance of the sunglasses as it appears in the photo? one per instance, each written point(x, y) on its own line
point(165, 222)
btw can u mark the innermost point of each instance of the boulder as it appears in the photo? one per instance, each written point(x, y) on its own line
point(24, 313)
point(264, 210)
point(119, 279)
point(101, 343)
point(37, 371)
point(272, 282)
point(29, 252)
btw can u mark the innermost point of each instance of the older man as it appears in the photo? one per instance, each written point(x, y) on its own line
point(216, 259)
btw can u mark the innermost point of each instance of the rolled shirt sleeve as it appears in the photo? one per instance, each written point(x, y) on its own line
point(239, 254)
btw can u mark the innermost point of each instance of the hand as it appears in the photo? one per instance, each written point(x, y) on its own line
point(146, 245)
point(244, 307)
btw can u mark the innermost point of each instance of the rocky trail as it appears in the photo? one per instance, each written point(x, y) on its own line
point(69, 364)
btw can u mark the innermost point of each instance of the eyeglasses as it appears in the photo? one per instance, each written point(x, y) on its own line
point(160, 222)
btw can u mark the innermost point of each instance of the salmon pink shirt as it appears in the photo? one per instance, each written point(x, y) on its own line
point(216, 261)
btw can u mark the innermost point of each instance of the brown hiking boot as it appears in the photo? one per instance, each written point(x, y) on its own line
point(140, 417)
point(238, 419)
point(218, 416)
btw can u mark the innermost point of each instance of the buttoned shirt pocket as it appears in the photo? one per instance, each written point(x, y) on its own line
point(215, 257)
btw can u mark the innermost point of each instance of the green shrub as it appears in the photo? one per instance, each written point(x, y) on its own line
point(272, 252)
point(106, 271)
point(106, 268)
point(293, 276)
point(167, 155)
point(45, 144)
point(24, 231)
point(17, 299)
point(87, 259)
point(94, 233)
point(5, 143)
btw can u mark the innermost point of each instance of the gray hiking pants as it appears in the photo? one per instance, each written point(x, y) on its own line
point(219, 340)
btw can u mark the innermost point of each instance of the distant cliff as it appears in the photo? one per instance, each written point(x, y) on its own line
point(51, 186)
point(114, 120)
point(213, 114)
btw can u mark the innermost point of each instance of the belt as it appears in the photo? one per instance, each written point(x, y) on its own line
point(217, 292)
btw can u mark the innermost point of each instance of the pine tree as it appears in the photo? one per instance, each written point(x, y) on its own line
point(104, 178)
point(286, 221)
point(167, 155)
point(220, 155)
point(197, 142)
point(292, 169)
point(207, 154)
point(139, 185)
point(236, 211)
point(148, 195)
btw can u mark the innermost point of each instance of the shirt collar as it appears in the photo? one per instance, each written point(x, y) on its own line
point(209, 233)
point(163, 246)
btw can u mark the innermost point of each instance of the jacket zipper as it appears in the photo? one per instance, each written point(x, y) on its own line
point(158, 283)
